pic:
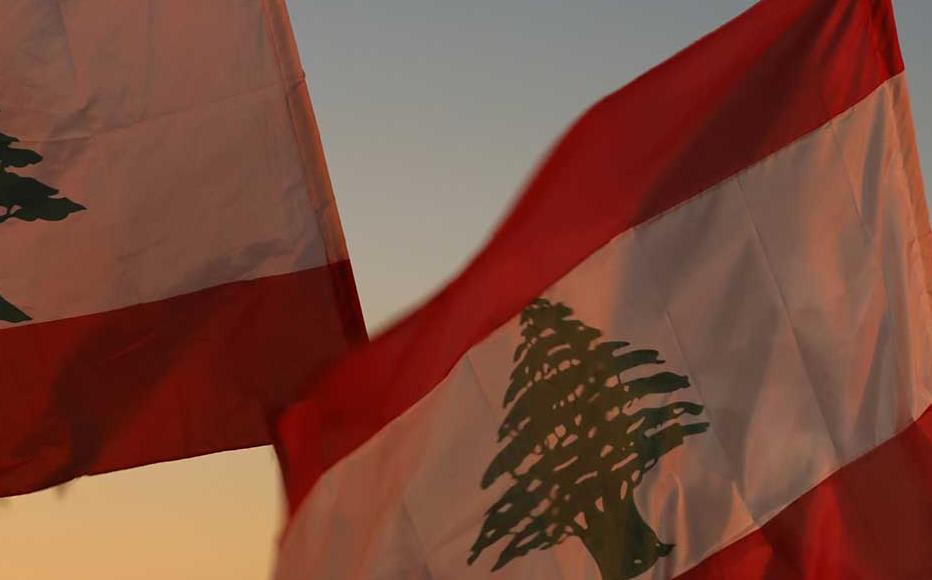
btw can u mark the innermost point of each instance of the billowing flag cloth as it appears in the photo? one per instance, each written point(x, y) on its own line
point(699, 346)
point(172, 267)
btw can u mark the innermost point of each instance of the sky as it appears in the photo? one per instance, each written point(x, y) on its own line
point(433, 113)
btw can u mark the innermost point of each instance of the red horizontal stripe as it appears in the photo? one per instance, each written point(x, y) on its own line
point(185, 376)
point(777, 72)
point(871, 520)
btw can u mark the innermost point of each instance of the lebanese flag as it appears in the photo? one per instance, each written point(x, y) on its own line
point(699, 346)
point(172, 266)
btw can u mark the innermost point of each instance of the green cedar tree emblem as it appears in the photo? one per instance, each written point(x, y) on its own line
point(580, 438)
point(26, 199)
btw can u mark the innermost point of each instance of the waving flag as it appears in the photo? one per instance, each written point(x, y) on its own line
point(172, 266)
point(699, 346)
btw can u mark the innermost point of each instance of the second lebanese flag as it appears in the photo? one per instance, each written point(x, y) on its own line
point(699, 346)
point(172, 267)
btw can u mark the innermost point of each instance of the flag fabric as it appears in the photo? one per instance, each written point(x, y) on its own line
point(698, 347)
point(172, 267)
